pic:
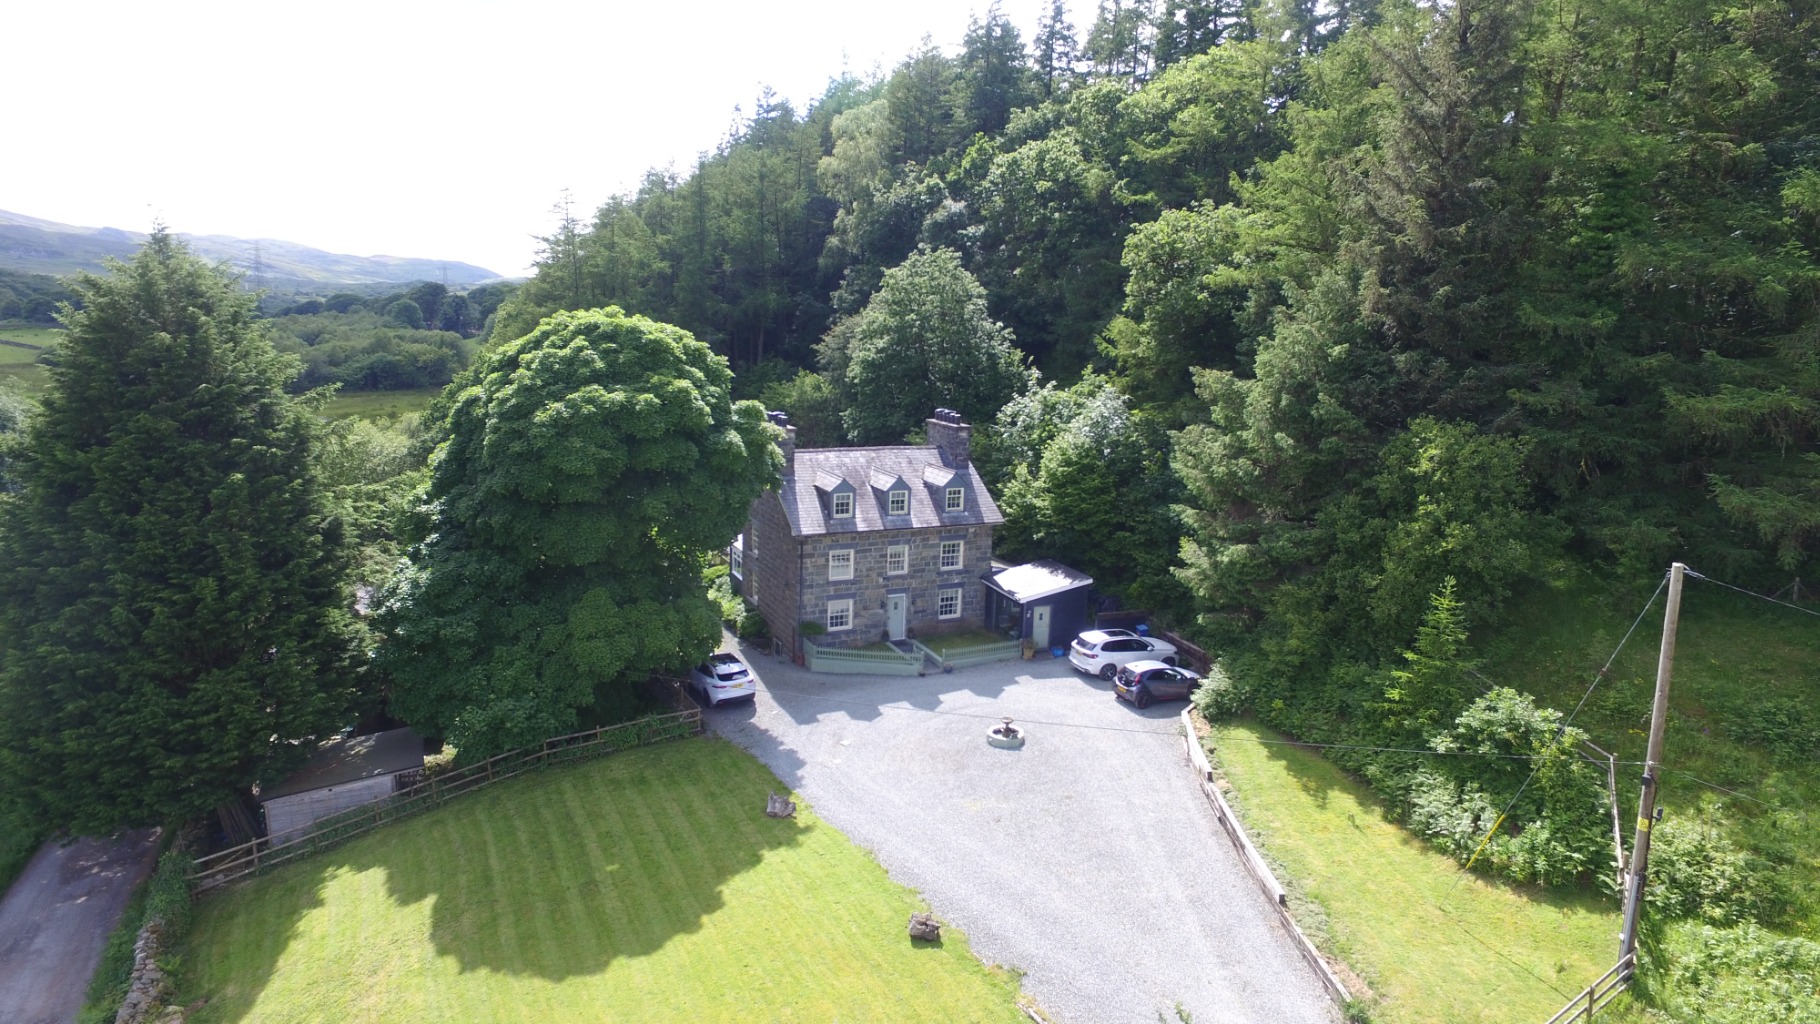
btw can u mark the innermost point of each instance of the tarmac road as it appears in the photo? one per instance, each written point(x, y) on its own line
point(56, 918)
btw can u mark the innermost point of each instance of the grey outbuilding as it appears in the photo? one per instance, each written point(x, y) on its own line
point(1043, 602)
point(344, 773)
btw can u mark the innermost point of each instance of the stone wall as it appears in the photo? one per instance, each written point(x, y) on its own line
point(870, 585)
point(149, 988)
point(772, 561)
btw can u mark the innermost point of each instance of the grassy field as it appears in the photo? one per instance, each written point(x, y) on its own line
point(373, 405)
point(646, 886)
point(1744, 709)
point(19, 369)
point(1435, 945)
point(42, 337)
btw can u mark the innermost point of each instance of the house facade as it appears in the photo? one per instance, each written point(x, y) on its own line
point(871, 544)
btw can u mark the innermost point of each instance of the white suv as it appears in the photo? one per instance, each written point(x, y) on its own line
point(1102, 652)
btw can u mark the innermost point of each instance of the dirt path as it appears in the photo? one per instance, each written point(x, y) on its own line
point(56, 918)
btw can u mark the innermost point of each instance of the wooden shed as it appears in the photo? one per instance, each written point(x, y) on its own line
point(345, 772)
point(1044, 602)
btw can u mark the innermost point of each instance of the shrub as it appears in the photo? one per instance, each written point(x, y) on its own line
point(1743, 976)
point(1220, 696)
point(752, 626)
point(1696, 871)
point(1785, 727)
point(720, 591)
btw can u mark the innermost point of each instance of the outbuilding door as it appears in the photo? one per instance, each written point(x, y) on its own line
point(1039, 626)
point(894, 616)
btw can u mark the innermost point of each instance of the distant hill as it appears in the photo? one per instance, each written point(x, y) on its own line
point(36, 246)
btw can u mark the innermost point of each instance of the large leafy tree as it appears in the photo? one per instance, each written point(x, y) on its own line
point(172, 606)
point(925, 340)
point(589, 467)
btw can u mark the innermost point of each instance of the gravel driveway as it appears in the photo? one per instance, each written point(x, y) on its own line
point(1087, 860)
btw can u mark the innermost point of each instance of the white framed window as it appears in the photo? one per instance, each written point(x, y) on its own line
point(843, 504)
point(840, 614)
point(954, 554)
point(898, 503)
point(897, 559)
point(738, 562)
point(840, 564)
point(947, 604)
point(957, 500)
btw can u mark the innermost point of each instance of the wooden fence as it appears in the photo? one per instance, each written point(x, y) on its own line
point(1598, 995)
point(432, 790)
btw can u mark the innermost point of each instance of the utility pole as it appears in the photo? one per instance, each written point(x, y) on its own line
point(1646, 810)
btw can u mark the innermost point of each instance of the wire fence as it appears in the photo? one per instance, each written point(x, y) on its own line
point(433, 790)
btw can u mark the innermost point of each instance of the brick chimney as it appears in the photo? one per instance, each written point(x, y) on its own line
point(788, 444)
point(955, 439)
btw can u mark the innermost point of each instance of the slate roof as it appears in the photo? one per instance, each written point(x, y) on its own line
point(1036, 580)
point(350, 759)
point(859, 466)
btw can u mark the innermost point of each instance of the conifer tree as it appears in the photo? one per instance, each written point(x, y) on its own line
point(172, 610)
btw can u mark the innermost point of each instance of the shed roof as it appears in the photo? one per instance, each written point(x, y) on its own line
point(352, 758)
point(1036, 580)
point(858, 466)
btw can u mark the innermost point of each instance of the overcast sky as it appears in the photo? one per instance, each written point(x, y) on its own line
point(442, 130)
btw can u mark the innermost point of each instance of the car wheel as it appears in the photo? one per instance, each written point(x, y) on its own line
point(1170, 661)
point(1106, 672)
point(1141, 697)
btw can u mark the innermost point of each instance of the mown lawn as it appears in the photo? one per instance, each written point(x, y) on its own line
point(645, 886)
point(1436, 945)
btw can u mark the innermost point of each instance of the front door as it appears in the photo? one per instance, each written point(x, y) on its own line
point(1039, 626)
point(894, 616)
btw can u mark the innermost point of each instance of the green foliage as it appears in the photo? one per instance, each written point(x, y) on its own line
point(1083, 479)
point(814, 408)
point(31, 298)
point(171, 576)
point(1433, 684)
point(1742, 976)
point(1523, 764)
point(1220, 697)
point(1697, 871)
point(924, 341)
point(361, 351)
point(1784, 726)
point(752, 626)
point(589, 469)
point(405, 313)
point(720, 591)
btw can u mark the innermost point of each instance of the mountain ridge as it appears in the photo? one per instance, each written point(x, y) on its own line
point(37, 246)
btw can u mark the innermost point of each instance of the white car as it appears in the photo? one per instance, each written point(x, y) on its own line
point(723, 677)
point(1101, 652)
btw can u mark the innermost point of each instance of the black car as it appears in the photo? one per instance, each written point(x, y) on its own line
point(1143, 683)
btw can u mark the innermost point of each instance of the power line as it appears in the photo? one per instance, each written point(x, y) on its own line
point(1722, 789)
point(1165, 732)
point(1565, 722)
point(1752, 593)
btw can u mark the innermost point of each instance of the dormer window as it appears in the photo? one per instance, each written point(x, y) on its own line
point(843, 504)
point(956, 500)
point(898, 503)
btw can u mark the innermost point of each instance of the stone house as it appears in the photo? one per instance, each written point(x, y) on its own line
point(872, 544)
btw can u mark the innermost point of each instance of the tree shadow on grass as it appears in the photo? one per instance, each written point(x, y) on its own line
point(553, 875)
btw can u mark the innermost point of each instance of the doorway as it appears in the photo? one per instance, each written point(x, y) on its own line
point(895, 608)
point(1039, 626)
